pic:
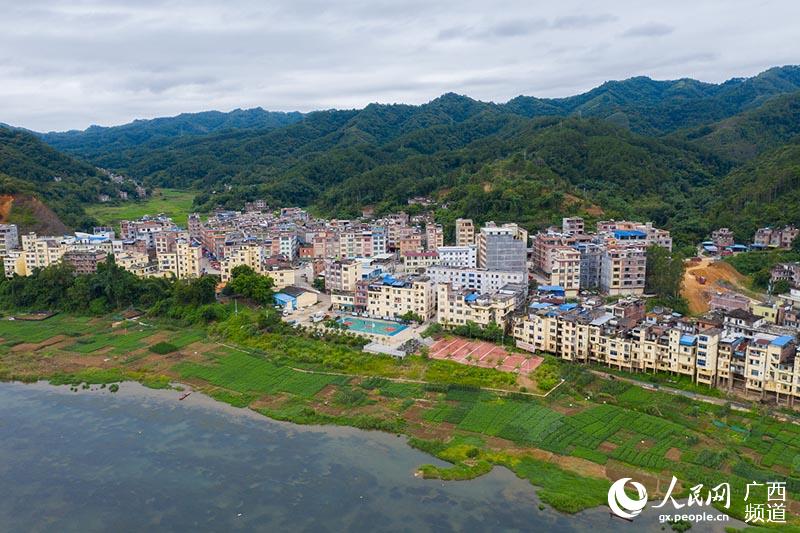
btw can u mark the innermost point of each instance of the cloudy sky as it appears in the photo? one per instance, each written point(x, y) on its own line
point(69, 64)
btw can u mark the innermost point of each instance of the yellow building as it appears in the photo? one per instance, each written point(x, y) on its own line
point(390, 297)
point(456, 307)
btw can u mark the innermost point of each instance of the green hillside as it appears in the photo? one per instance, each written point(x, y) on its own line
point(30, 168)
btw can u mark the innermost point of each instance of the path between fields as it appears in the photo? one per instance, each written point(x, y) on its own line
point(397, 380)
point(670, 390)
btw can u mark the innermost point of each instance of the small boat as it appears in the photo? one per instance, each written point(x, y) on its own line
point(183, 396)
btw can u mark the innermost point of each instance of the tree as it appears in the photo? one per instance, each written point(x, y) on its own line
point(249, 284)
point(664, 274)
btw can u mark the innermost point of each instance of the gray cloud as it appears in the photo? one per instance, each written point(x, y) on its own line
point(651, 29)
point(67, 64)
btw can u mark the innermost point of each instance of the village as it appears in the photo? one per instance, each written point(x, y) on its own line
point(565, 291)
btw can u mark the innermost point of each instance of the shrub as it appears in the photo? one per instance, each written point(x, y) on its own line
point(163, 348)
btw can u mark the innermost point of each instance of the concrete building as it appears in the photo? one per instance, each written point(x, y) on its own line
point(9, 238)
point(566, 270)
point(184, 262)
point(343, 275)
point(458, 256)
point(476, 279)
point(502, 247)
point(456, 307)
point(84, 261)
point(390, 297)
point(417, 262)
point(776, 237)
point(465, 232)
point(722, 238)
point(622, 270)
point(572, 225)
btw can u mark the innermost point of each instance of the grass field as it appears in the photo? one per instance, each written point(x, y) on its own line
point(172, 202)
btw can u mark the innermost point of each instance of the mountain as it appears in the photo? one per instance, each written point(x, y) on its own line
point(673, 152)
point(98, 143)
point(764, 191)
point(749, 134)
point(32, 172)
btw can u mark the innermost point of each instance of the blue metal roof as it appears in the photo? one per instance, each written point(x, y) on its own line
point(629, 234)
point(567, 307)
point(688, 340)
point(471, 297)
point(551, 288)
point(281, 298)
point(783, 340)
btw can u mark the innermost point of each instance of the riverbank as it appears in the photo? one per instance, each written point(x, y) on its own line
point(572, 443)
point(142, 459)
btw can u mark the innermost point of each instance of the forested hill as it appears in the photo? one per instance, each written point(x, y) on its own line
point(674, 152)
point(98, 143)
point(31, 169)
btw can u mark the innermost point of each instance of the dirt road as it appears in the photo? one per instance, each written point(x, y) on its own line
point(717, 274)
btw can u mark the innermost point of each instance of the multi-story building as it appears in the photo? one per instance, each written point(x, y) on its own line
point(622, 270)
point(789, 272)
point(465, 232)
point(9, 238)
point(391, 297)
point(652, 235)
point(476, 279)
point(456, 307)
point(572, 225)
point(566, 270)
point(758, 363)
point(183, 262)
point(84, 261)
point(434, 236)
point(591, 264)
point(502, 247)
point(458, 256)
point(776, 237)
point(722, 238)
point(343, 275)
point(417, 262)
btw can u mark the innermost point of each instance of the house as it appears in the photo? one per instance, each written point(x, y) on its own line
point(292, 298)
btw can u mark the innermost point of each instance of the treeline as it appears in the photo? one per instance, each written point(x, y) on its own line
point(111, 288)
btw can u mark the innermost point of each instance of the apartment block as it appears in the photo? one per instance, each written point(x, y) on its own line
point(565, 271)
point(84, 261)
point(572, 225)
point(502, 247)
point(343, 275)
point(776, 237)
point(465, 232)
point(183, 262)
point(9, 238)
point(622, 270)
point(390, 297)
point(417, 262)
point(458, 256)
point(722, 238)
point(456, 307)
point(477, 279)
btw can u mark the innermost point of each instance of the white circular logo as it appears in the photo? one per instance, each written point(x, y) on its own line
point(621, 504)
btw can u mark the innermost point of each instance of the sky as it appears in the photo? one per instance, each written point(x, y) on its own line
point(71, 64)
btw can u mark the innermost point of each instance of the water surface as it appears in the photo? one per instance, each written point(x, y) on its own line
point(142, 460)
